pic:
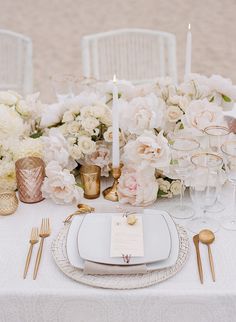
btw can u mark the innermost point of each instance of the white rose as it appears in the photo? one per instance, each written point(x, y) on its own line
point(89, 123)
point(200, 114)
point(174, 114)
point(108, 135)
point(8, 98)
point(142, 113)
point(223, 86)
point(148, 150)
point(60, 185)
point(164, 185)
point(138, 187)
point(75, 152)
point(175, 187)
point(68, 117)
point(86, 145)
point(7, 175)
point(73, 127)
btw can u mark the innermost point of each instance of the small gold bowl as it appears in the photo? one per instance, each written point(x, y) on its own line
point(8, 203)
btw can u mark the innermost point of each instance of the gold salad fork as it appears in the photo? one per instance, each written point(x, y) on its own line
point(34, 238)
point(45, 232)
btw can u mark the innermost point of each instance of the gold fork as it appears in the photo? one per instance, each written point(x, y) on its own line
point(34, 238)
point(45, 232)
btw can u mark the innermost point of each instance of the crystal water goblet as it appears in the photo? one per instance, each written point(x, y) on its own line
point(64, 87)
point(204, 188)
point(229, 153)
point(182, 149)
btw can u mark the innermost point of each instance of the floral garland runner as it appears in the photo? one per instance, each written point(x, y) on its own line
point(79, 131)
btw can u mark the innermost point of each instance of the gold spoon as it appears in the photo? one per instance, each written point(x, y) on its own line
point(207, 237)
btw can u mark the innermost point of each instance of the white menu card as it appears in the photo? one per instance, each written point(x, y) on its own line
point(126, 239)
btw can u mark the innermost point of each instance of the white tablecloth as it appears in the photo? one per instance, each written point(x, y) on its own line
point(54, 297)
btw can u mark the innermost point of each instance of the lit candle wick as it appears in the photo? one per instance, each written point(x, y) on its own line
point(189, 26)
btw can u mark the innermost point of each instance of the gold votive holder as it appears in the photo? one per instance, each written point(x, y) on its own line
point(30, 174)
point(111, 192)
point(8, 203)
point(90, 176)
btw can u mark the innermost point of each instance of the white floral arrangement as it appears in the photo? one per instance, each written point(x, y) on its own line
point(79, 131)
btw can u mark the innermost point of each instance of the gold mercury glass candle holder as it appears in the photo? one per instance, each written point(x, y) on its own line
point(30, 174)
point(90, 176)
point(111, 192)
point(8, 203)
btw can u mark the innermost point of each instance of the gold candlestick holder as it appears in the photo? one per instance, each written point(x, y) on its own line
point(111, 192)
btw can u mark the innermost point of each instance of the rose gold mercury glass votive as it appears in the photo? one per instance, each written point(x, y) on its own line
point(30, 173)
point(90, 179)
point(8, 203)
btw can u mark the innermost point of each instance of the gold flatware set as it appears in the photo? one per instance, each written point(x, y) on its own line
point(206, 237)
point(44, 232)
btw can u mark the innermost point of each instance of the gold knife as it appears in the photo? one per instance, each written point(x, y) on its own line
point(199, 262)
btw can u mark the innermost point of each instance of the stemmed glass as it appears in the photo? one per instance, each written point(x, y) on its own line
point(181, 151)
point(64, 87)
point(229, 152)
point(204, 188)
point(217, 135)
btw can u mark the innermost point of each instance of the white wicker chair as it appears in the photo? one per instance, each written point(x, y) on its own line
point(132, 54)
point(16, 70)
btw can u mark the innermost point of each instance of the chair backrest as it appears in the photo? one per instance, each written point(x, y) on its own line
point(131, 54)
point(16, 71)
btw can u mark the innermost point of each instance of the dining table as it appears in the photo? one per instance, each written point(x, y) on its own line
point(55, 297)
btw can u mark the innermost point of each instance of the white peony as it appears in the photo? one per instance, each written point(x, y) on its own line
point(8, 98)
point(137, 187)
point(173, 114)
point(27, 147)
point(11, 124)
point(52, 115)
point(142, 113)
point(200, 114)
point(56, 148)
point(148, 150)
point(60, 185)
point(86, 145)
point(223, 86)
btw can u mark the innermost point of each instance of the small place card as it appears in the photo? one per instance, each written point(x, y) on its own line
point(126, 239)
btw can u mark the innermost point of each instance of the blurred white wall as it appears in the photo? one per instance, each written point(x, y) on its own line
point(56, 27)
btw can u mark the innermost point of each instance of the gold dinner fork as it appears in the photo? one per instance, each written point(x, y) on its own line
point(45, 232)
point(34, 238)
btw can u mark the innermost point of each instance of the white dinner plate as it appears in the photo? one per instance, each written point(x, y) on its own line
point(77, 261)
point(94, 239)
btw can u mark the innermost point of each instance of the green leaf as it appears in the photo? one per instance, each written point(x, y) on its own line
point(119, 95)
point(226, 98)
point(161, 193)
point(36, 135)
point(181, 126)
point(173, 162)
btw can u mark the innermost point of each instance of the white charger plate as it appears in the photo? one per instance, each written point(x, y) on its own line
point(94, 239)
point(76, 261)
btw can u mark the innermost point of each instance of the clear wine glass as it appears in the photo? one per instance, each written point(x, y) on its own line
point(182, 149)
point(217, 135)
point(229, 152)
point(64, 86)
point(204, 188)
